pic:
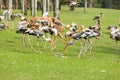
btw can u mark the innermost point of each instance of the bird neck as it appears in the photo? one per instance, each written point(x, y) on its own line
point(46, 39)
point(80, 28)
point(98, 23)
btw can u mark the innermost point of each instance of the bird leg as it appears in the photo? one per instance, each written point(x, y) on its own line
point(91, 47)
point(45, 45)
point(7, 26)
point(71, 42)
point(23, 39)
point(55, 39)
point(86, 46)
point(30, 44)
point(81, 50)
point(61, 37)
point(38, 46)
point(67, 41)
point(45, 41)
point(49, 40)
point(12, 24)
point(117, 47)
point(52, 44)
point(65, 48)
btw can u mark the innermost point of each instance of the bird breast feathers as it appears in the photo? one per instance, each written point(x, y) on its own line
point(113, 32)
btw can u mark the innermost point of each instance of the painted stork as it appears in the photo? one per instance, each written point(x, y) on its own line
point(115, 35)
point(86, 35)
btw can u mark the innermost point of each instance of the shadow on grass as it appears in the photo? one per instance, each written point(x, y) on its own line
point(17, 37)
point(9, 41)
point(108, 50)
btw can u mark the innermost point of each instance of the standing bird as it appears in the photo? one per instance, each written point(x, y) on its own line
point(97, 27)
point(98, 16)
point(85, 35)
point(72, 30)
point(21, 28)
point(98, 24)
point(115, 35)
point(72, 5)
point(38, 34)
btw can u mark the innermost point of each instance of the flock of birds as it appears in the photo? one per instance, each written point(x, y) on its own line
point(48, 28)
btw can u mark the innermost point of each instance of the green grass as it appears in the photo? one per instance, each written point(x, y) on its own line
point(18, 62)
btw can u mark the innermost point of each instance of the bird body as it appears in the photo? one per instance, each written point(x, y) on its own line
point(58, 23)
point(22, 24)
point(18, 15)
point(34, 32)
point(21, 30)
point(50, 30)
point(98, 16)
point(22, 27)
point(77, 36)
point(86, 33)
point(72, 3)
point(115, 33)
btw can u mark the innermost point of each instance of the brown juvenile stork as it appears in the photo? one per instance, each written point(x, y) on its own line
point(59, 29)
point(44, 18)
point(56, 24)
point(72, 29)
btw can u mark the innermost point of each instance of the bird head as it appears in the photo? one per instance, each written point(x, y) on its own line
point(67, 26)
point(111, 28)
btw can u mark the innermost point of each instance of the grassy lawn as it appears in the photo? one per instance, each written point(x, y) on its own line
point(18, 62)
